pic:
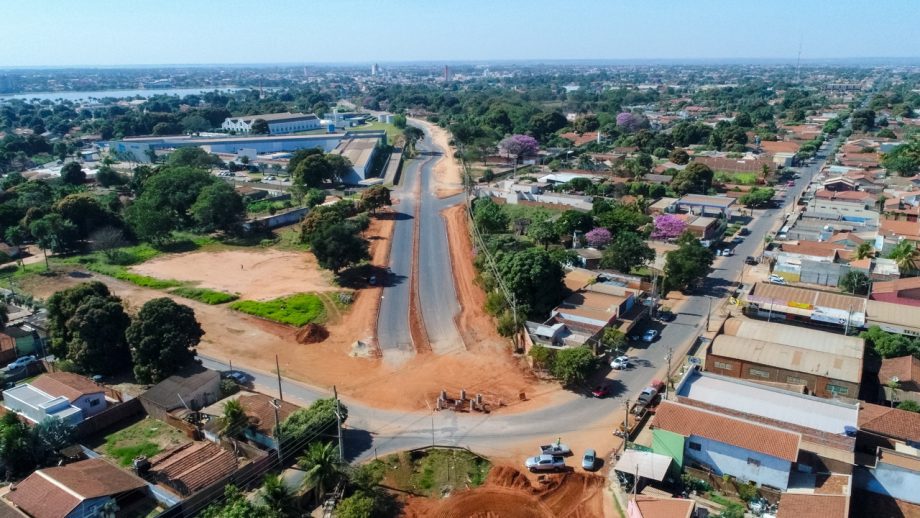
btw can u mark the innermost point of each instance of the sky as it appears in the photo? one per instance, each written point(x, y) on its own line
point(146, 32)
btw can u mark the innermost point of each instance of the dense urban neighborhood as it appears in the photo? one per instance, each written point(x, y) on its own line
point(561, 289)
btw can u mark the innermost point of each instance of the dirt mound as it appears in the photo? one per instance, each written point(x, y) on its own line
point(508, 493)
point(312, 334)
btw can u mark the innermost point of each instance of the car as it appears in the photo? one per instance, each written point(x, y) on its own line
point(718, 252)
point(776, 279)
point(372, 280)
point(620, 363)
point(727, 252)
point(545, 463)
point(649, 336)
point(240, 377)
point(750, 260)
point(790, 183)
point(666, 316)
point(589, 460)
point(744, 231)
point(22, 361)
point(600, 391)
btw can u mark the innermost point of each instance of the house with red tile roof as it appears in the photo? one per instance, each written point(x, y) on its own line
point(76, 490)
point(900, 291)
point(817, 503)
point(905, 372)
point(731, 446)
point(193, 466)
point(909, 230)
point(80, 391)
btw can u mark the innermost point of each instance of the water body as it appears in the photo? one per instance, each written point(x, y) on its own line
point(118, 94)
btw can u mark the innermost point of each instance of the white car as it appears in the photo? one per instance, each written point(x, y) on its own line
point(620, 363)
point(776, 279)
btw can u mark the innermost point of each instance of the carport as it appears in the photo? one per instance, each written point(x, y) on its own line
point(646, 464)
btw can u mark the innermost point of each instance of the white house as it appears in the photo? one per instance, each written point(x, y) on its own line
point(59, 395)
point(278, 123)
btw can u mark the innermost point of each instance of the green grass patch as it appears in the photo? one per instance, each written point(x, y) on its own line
point(121, 273)
point(146, 437)
point(429, 471)
point(516, 212)
point(205, 295)
point(392, 131)
point(295, 310)
point(736, 178)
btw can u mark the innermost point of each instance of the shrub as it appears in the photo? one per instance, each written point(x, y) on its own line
point(205, 295)
point(228, 388)
point(296, 310)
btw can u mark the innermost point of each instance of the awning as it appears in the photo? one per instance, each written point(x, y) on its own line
point(644, 463)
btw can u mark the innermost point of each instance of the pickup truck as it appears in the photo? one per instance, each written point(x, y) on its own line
point(555, 449)
point(545, 463)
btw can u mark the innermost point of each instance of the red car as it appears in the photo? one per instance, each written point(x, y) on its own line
point(602, 390)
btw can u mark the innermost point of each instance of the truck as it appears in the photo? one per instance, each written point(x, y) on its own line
point(545, 463)
point(557, 448)
point(647, 397)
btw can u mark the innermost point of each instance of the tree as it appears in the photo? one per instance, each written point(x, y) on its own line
point(61, 307)
point(322, 466)
point(277, 497)
point(314, 197)
point(629, 122)
point(400, 121)
point(15, 445)
point(862, 120)
point(543, 232)
point(259, 127)
point(855, 282)
point(906, 255)
point(107, 177)
point(306, 424)
point(192, 156)
point(338, 246)
point(84, 211)
point(299, 156)
point(679, 156)
point(358, 505)
point(49, 437)
point(627, 251)
point(218, 207)
point(489, 216)
point(695, 178)
point(97, 336)
point(73, 174)
point(534, 278)
point(688, 264)
point(613, 339)
point(757, 197)
point(598, 237)
point(518, 146)
point(622, 218)
point(375, 197)
point(317, 169)
point(571, 221)
point(235, 505)
point(149, 222)
point(668, 226)
point(53, 232)
point(195, 124)
point(890, 345)
point(573, 365)
point(909, 405)
point(234, 420)
point(162, 338)
point(865, 250)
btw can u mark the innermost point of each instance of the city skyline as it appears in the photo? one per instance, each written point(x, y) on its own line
point(103, 33)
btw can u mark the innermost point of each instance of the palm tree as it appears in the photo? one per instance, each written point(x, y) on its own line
point(322, 465)
point(234, 420)
point(864, 250)
point(278, 497)
point(905, 254)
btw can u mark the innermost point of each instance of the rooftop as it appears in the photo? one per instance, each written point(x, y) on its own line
point(166, 393)
point(193, 466)
point(798, 359)
point(66, 384)
point(812, 339)
point(820, 414)
point(709, 201)
point(686, 420)
point(357, 151)
point(276, 117)
point(890, 422)
point(906, 369)
point(890, 227)
point(907, 283)
point(813, 248)
point(804, 505)
point(786, 295)
point(891, 313)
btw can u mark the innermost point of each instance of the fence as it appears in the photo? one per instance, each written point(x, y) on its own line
point(108, 417)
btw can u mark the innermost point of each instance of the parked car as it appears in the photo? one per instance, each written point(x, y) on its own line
point(666, 316)
point(372, 280)
point(649, 336)
point(620, 363)
point(589, 460)
point(750, 260)
point(790, 183)
point(718, 252)
point(776, 279)
point(241, 378)
point(727, 252)
point(545, 463)
point(601, 391)
point(557, 448)
point(744, 231)
point(22, 361)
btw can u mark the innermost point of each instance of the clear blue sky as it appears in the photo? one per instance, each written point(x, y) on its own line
point(125, 32)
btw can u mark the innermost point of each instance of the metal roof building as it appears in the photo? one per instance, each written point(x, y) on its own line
point(799, 359)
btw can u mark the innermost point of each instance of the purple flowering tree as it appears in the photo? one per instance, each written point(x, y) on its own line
point(629, 122)
point(518, 146)
point(668, 226)
point(598, 237)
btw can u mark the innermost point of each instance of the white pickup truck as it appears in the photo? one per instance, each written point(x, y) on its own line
point(557, 448)
point(545, 463)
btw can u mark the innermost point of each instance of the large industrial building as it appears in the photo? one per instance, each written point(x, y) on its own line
point(278, 123)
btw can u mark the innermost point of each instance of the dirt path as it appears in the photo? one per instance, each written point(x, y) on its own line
point(447, 171)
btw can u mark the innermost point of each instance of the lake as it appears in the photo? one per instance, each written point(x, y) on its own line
point(99, 94)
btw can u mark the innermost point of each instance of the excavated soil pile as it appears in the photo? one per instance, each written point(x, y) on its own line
point(312, 334)
point(508, 493)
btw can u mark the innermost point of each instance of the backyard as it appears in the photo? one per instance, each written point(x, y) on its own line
point(146, 437)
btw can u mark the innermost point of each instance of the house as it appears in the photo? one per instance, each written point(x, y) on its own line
point(840, 184)
point(589, 258)
point(856, 206)
point(25, 341)
point(734, 165)
point(743, 449)
point(778, 302)
point(706, 228)
point(904, 291)
point(893, 473)
point(197, 387)
point(906, 230)
point(264, 413)
point(84, 489)
point(80, 391)
point(820, 362)
point(831, 499)
point(594, 307)
point(193, 466)
point(278, 123)
point(894, 318)
point(899, 378)
point(36, 405)
point(885, 427)
point(642, 506)
point(827, 426)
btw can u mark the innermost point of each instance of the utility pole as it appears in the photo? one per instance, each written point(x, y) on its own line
point(626, 426)
point(667, 380)
point(276, 405)
point(432, 429)
point(709, 312)
point(278, 371)
point(338, 422)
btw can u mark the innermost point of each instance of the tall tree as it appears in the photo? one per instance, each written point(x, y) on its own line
point(375, 197)
point(627, 251)
point(688, 264)
point(906, 255)
point(338, 246)
point(234, 420)
point(162, 339)
point(322, 465)
point(695, 178)
point(73, 174)
point(259, 127)
point(489, 217)
point(62, 305)
point(53, 232)
point(277, 497)
point(218, 207)
point(97, 336)
point(192, 156)
point(534, 278)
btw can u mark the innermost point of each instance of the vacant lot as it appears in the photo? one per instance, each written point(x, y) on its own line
point(253, 274)
point(146, 437)
point(434, 471)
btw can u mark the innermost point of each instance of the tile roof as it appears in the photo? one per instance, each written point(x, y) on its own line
point(651, 507)
point(907, 283)
point(779, 146)
point(261, 412)
point(813, 248)
point(905, 368)
point(890, 422)
point(686, 421)
point(890, 227)
point(804, 505)
point(55, 492)
point(193, 466)
point(67, 384)
point(862, 196)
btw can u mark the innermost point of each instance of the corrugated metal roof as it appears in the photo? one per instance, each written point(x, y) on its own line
point(811, 339)
point(783, 294)
point(787, 357)
point(888, 313)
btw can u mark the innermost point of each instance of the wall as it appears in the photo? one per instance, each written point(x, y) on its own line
point(727, 459)
point(843, 209)
point(817, 385)
point(277, 220)
point(108, 417)
point(85, 403)
point(886, 479)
